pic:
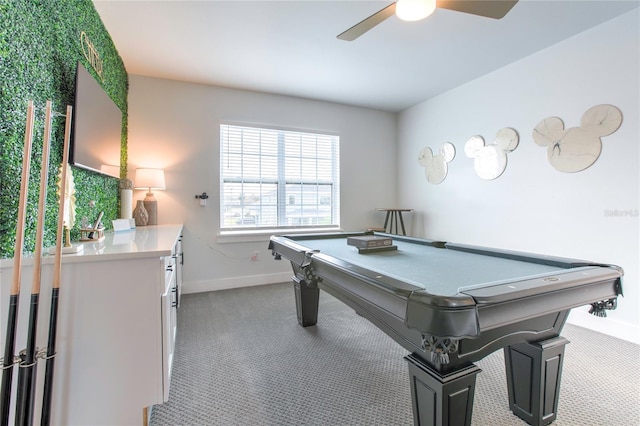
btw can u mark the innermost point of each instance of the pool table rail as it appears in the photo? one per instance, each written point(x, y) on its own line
point(547, 284)
point(557, 261)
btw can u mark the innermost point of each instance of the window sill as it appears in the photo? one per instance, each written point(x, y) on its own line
point(264, 234)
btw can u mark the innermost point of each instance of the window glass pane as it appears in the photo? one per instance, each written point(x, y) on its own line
point(251, 144)
point(308, 169)
point(269, 216)
point(293, 194)
point(324, 195)
point(269, 142)
point(292, 168)
point(309, 195)
point(251, 166)
point(231, 206)
point(292, 145)
point(232, 165)
point(269, 168)
point(324, 170)
point(324, 148)
point(308, 146)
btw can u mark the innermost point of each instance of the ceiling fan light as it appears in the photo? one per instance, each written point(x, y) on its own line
point(414, 10)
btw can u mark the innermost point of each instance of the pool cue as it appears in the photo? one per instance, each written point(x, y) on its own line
point(27, 366)
point(10, 337)
point(55, 287)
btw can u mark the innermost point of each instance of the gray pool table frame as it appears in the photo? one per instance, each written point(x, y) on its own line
point(445, 335)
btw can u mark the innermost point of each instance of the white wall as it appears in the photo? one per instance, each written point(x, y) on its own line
point(533, 207)
point(175, 126)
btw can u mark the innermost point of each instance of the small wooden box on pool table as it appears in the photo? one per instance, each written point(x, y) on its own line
point(371, 243)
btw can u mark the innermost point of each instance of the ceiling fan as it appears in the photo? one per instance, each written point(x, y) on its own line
point(414, 10)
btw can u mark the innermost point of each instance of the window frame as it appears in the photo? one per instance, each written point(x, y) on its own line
point(281, 182)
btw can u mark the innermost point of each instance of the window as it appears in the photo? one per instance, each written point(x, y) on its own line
point(274, 178)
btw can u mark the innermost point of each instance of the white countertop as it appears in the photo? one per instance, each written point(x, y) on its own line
point(141, 242)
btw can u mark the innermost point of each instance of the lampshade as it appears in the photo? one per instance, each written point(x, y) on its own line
point(414, 10)
point(149, 179)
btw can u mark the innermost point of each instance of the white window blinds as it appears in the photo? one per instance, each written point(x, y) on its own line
point(274, 178)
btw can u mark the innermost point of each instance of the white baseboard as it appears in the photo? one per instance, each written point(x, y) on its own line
point(236, 282)
point(608, 326)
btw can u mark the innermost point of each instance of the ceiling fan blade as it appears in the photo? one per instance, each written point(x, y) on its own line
point(495, 9)
point(363, 26)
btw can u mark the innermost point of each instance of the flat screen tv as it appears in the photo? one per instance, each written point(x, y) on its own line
point(97, 127)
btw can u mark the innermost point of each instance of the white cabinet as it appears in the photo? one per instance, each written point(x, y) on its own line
point(116, 329)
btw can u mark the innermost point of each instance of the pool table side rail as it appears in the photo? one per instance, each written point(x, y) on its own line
point(562, 299)
point(345, 234)
point(556, 261)
point(578, 273)
point(544, 283)
point(286, 245)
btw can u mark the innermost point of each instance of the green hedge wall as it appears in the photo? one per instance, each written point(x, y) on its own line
point(39, 51)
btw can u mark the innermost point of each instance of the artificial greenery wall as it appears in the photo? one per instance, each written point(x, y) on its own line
point(40, 46)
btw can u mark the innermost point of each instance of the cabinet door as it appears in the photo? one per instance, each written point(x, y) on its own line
point(169, 326)
point(179, 265)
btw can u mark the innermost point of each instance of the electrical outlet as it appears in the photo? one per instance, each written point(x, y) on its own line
point(256, 256)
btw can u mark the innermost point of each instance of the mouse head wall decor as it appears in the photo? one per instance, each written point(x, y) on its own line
point(490, 161)
point(577, 148)
point(435, 166)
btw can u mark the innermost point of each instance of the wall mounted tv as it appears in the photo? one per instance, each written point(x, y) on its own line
point(97, 127)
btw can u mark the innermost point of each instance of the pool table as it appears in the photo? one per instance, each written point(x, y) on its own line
point(450, 305)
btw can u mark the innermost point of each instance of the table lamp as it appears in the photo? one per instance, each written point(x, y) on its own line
point(150, 179)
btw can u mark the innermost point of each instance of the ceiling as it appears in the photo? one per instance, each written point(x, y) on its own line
point(290, 47)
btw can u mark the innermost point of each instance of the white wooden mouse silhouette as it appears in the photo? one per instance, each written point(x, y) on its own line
point(577, 148)
point(435, 166)
point(490, 161)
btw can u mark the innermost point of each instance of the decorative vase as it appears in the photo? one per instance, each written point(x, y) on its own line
point(140, 214)
point(126, 200)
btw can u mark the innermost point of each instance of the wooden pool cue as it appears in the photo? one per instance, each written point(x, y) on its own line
point(27, 367)
point(10, 336)
point(55, 287)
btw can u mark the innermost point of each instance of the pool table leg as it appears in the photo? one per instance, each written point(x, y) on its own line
point(442, 400)
point(307, 298)
point(534, 371)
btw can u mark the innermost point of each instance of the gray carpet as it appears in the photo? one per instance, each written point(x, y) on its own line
point(242, 359)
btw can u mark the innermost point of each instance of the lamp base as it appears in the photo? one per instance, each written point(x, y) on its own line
point(151, 205)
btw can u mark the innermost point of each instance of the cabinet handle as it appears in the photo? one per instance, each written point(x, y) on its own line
point(170, 268)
